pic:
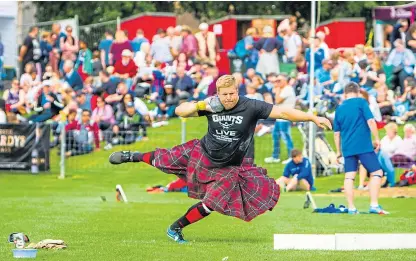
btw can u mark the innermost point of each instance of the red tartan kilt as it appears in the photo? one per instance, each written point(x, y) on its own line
point(240, 191)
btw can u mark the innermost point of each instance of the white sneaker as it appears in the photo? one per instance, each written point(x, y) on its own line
point(108, 146)
point(271, 160)
point(286, 161)
point(264, 129)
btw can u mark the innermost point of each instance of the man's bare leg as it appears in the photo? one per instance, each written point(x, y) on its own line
point(349, 189)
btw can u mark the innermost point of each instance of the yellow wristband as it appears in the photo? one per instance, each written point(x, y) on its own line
point(201, 106)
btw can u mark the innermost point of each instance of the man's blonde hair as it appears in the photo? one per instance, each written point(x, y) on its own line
point(226, 81)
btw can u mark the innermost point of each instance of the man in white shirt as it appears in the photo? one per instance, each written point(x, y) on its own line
point(284, 95)
point(292, 44)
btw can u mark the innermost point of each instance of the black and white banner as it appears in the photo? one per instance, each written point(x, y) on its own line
point(24, 147)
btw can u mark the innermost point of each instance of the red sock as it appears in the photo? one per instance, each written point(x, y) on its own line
point(144, 157)
point(148, 157)
point(194, 214)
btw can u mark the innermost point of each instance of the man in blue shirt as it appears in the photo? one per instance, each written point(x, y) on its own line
point(104, 48)
point(300, 169)
point(353, 125)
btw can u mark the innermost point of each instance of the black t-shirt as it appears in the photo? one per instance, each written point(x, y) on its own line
point(370, 82)
point(33, 52)
point(230, 132)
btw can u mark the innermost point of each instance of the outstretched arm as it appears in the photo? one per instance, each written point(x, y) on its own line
point(291, 114)
point(187, 109)
point(190, 109)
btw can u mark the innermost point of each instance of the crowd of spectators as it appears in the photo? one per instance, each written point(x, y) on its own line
point(115, 92)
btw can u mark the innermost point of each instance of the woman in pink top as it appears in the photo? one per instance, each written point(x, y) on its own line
point(69, 46)
point(103, 115)
point(120, 43)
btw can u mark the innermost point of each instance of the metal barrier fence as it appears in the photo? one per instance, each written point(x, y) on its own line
point(94, 33)
point(71, 148)
point(65, 157)
point(23, 29)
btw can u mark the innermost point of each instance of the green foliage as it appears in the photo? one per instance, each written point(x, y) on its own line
point(94, 12)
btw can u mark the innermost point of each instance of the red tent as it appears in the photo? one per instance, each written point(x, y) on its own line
point(344, 32)
point(149, 22)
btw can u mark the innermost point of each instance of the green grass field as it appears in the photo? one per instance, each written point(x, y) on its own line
point(44, 207)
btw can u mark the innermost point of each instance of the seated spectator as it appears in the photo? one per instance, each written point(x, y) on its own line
point(409, 97)
point(334, 91)
point(372, 75)
point(182, 84)
point(81, 135)
point(271, 77)
point(48, 73)
point(359, 53)
point(371, 55)
point(125, 68)
point(385, 105)
point(118, 96)
point(56, 127)
point(240, 82)
point(103, 115)
point(403, 61)
point(250, 73)
point(391, 142)
point(48, 104)
point(183, 61)
point(71, 76)
point(29, 78)
point(147, 69)
point(83, 100)
point(405, 154)
point(301, 66)
point(84, 65)
point(168, 103)
point(323, 74)
point(252, 93)
point(299, 168)
point(108, 85)
point(127, 130)
point(258, 83)
point(15, 98)
point(372, 101)
point(140, 56)
point(201, 91)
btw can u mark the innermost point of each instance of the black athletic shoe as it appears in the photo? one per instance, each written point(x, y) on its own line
point(119, 157)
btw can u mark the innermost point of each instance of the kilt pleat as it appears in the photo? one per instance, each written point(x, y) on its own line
point(243, 191)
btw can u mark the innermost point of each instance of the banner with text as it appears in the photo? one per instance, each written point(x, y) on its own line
point(24, 147)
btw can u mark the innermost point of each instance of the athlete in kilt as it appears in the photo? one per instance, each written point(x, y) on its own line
point(219, 168)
